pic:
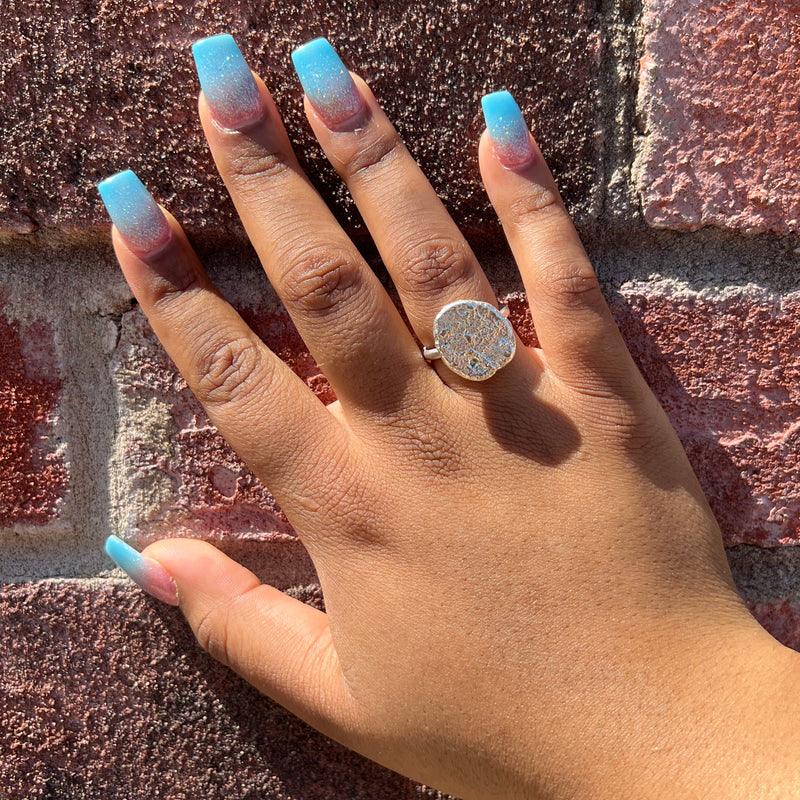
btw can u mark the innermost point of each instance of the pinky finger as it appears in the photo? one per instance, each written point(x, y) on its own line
point(575, 328)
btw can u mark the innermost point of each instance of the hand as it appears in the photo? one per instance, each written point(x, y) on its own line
point(526, 592)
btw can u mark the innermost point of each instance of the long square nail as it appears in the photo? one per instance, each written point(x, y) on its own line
point(146, 572)
point(134, 212)
point(326, 82)
point(227, 82)
point(507, 128)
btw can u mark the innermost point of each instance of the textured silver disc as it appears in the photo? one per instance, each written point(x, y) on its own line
point(473, 338)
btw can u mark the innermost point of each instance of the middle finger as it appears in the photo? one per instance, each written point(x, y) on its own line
point(344, 315)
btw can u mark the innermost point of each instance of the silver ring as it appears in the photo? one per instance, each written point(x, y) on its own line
point(473, 338)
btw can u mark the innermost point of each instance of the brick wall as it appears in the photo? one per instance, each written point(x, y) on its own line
point(672, 127)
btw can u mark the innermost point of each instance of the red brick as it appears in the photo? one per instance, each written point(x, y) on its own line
point(726, 367)
point(169, 442)
point(33, 477)
point(719, 87)
point(107, 695)
point(112, 85)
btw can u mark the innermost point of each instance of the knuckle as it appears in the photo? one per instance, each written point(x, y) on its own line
point(618, 422)
point(212, 635)
point(372, 153)
point(165, 294)
point(319, 279)
point(169, 281)
point(536, 201)
point(572, 284)
point(348, 501)
point(251, 161)
point(609, 414)
point(226, 370)
point(424, 440)
point(437, 454)
point(436, 264)
point(634, 437)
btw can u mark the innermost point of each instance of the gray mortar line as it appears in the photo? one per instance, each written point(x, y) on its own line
point(766, 574)
point(622, 47)
point(705, 259)
point(79, 291)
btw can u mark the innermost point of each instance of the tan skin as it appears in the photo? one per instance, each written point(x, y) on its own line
point(527, 594)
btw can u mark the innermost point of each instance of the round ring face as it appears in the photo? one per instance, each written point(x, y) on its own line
point(473, 338)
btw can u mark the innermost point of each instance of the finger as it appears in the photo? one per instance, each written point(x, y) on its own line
point(280, 645)
point(429, 260)
point(573, 323)
point(260, 406)
point(339, 306)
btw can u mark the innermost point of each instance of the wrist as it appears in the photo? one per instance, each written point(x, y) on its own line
point(714, 715)
point(717, 718)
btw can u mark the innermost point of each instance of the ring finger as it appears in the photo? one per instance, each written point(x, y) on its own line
point(429, 260)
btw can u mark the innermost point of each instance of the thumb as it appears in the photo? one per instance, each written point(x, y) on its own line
point(280, 645)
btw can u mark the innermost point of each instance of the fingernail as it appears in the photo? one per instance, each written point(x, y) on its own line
point(228, 85)
point(326, 81)
point(507, 128)
point(134, 212)
point(146, 572)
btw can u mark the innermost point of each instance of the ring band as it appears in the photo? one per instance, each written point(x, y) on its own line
point(474, 339)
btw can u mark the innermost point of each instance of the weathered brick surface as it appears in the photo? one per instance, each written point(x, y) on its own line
point(781, 618)
point(726, 367)
point(106, 696)
point(104, 693)
point(176, 475)
point(89, 88)
point(33, 475)
point(719, 87)
point(765, 573)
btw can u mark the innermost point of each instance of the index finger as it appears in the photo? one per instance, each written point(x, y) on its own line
point(267, 414)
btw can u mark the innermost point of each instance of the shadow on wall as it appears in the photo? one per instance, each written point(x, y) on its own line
point(726, 370)
point(273, 753)
point(719, 475)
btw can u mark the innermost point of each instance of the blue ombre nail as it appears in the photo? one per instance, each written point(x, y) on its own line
point(507, 128)
point(326, 81)
point(146, 572)
point(228, 85)
point(134, 212)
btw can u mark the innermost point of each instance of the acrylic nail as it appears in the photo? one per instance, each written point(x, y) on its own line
point(133, 211)
point(227, 82)
point(507, 128)
point(146, 572)
point(326, 82)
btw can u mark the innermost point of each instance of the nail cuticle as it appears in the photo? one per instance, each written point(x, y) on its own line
point(352, 125)
point(160, 249)
point(243, 128)
point(520, 166)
